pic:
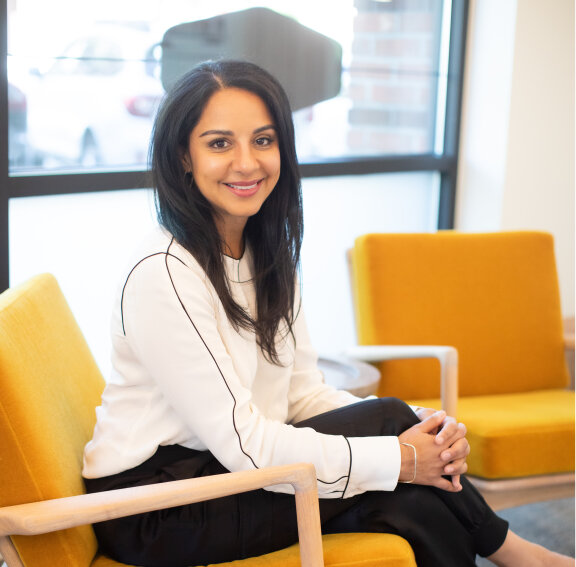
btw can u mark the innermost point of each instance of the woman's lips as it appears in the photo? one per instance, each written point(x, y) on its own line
point(244, 188)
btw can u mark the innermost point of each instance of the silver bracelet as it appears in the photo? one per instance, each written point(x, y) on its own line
point(415, 462)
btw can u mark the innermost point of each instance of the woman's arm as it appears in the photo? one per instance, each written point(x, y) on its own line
point(181, 338)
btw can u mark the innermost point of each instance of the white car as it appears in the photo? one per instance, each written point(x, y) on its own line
point(95, 104)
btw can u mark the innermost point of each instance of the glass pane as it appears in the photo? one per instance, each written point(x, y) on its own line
point(84, 89)
point(89, 100)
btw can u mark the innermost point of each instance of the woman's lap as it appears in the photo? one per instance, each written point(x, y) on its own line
point(262, 521)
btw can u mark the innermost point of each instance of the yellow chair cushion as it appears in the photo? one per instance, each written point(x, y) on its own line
point(517, 435)
point(42, 346)
point(340, 550)
point(492, 296)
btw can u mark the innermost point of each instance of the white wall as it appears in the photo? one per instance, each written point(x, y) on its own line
point(517, 153)
point(336, 211)
point(85, 240)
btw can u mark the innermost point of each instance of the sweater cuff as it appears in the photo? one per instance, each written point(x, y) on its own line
point(375, 464)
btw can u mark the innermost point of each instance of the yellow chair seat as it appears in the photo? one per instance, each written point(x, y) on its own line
point(517, 435)
point(340, 550)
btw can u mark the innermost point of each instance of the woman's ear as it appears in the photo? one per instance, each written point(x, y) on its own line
point(185, 161)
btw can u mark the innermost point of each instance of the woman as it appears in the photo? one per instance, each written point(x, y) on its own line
point(213, 369)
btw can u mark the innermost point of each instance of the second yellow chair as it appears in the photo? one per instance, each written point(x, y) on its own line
point(495, 298)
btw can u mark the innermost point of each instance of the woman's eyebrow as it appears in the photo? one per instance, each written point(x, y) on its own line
point(263, 128)
point(217, 133)
point(230, 133)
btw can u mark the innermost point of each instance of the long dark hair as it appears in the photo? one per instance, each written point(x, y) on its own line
point(274, 234)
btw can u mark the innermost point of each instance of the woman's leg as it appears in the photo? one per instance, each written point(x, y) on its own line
point(516, 552)
point(444, 529)
point(215, 531)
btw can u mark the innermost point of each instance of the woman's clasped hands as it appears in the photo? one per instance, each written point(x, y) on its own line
point(440, 451)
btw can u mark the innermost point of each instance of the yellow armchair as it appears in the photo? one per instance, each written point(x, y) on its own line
point(49, 388)
point(493, 297)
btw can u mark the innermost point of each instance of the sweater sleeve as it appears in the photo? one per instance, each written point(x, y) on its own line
point(170, 319)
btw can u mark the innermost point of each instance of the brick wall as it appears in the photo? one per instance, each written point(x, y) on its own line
point(393, 76)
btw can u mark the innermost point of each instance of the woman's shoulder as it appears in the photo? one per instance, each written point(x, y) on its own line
point(157, 250)
point(159, 242)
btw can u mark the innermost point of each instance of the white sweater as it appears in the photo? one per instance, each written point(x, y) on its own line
point(182, 375)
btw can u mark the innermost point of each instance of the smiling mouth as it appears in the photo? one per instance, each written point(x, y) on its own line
point(250, 185)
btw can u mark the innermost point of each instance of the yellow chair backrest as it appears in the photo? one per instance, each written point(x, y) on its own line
point(49, 388)
point(493, 296)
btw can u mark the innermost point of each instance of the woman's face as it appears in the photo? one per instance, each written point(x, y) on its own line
point(234, 156)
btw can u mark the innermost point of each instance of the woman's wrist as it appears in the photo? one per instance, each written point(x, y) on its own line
point(408, 463)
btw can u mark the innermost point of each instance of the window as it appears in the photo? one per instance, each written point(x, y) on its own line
point(82, 83)
point(92, 88)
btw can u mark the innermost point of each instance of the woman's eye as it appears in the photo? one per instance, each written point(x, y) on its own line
point(264, 141)
point(219, 144)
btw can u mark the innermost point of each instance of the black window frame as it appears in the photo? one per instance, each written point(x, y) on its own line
point(47, 183)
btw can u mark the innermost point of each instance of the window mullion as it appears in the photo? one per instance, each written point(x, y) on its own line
point(4, 189)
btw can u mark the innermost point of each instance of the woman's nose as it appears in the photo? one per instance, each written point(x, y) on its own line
point(245, 159)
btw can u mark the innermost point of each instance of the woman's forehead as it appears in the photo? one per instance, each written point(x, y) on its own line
point(235, 106)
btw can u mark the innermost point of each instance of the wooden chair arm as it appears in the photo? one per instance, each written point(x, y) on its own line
point(446, 355)
point(52, 515)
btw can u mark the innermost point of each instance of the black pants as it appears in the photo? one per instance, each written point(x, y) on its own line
point(444, 529)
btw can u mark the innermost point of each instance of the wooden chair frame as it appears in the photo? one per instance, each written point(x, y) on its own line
point(447, 356)
point(53, 515)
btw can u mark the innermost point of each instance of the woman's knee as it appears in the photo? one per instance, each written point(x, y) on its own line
point(379, 416)
point(398, 415)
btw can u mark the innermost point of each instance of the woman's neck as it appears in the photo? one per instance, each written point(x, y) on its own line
point(232, 235)
point(236, 251)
